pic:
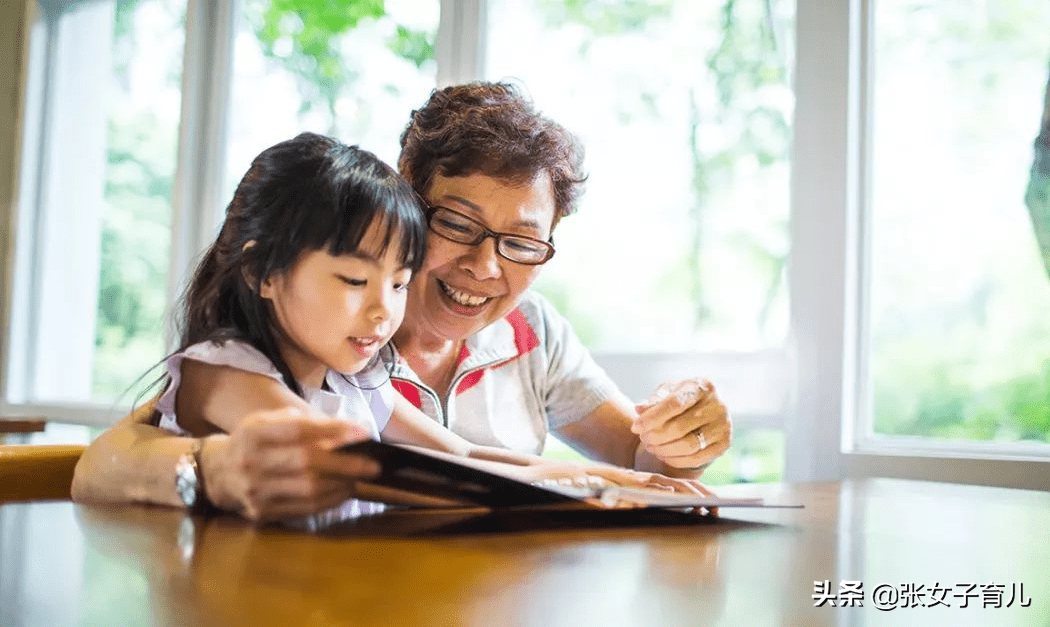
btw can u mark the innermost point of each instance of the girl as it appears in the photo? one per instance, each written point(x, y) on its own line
point(303, 288)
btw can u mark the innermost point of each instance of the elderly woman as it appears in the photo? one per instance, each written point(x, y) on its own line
point(478, 352)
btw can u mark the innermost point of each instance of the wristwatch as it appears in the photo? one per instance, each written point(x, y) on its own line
point(189, 481)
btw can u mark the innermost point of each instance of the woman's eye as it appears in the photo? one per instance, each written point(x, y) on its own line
point(353, 282)
point(520, 246)
point(459, 227)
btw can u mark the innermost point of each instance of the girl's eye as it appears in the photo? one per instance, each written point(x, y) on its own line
point(353, 282)
point(401, 280)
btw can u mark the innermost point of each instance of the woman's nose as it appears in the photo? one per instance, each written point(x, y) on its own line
point(481, 260)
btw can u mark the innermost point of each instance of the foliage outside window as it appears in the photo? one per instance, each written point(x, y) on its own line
point(960, 309)
point(141, 147)
point(353, 70)
point(681, 240)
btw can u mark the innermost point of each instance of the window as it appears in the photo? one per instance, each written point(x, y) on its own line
point(684, 109)
point(358, 80)
point(960, 301)
point(100, 141)
point(836, 190)
point(676, 259)
point(897, 326)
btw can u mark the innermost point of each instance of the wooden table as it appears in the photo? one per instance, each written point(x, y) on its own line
point(66, 564)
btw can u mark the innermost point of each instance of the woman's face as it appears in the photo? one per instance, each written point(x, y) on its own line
point(461, 289)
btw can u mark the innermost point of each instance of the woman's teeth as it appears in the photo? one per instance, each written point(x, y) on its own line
point(462, 297)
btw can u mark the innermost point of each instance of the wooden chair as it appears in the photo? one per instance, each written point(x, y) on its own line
point(37, 471)
point(20, 425)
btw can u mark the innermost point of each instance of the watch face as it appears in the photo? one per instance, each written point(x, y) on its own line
point(186, 483)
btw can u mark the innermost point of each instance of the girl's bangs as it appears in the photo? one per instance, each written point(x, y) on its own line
point(399, 218)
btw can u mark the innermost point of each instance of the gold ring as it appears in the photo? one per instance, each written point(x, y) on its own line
point(701, 441)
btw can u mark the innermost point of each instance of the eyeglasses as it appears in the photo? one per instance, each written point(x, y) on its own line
point(454, 226)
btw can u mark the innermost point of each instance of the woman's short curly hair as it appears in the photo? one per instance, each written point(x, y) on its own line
point(491, 129)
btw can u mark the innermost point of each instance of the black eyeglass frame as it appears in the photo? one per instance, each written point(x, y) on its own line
point(486, 233)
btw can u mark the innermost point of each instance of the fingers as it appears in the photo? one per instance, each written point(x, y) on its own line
point(710, 414)
point(685, 486)
point(672, 427)
point(686, 453)
point(301, 459)
point(345, 465)
point(673, 401)
point(296, 497)
point(711, 435)
point(281, 463)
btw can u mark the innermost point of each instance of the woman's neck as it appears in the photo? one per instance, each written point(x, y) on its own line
point(416, 338)
point(431, 356)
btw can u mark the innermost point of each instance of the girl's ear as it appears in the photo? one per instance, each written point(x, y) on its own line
point(246, 275)
point(267, 288)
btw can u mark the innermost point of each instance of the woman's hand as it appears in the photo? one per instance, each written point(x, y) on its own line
point(280, 463)
point(684, 424)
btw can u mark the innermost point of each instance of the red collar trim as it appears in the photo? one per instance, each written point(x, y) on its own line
point(524, 337)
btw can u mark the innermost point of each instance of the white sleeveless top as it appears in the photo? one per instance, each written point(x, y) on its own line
point(365, 398)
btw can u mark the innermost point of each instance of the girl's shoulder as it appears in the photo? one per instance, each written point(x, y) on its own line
point(231, 353)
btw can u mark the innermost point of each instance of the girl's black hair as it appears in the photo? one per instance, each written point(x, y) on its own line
point(301, 195)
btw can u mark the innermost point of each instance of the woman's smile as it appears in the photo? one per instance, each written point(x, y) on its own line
point(466, 300)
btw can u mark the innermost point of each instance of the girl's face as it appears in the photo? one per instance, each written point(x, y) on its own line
point(336, 312)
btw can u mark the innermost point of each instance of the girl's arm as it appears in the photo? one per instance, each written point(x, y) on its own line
point(222, 396)
point(409, 425)
point(213, 398)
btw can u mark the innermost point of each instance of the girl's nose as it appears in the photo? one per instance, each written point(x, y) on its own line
point(379, 309)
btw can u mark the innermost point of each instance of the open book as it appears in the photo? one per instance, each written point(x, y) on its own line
point(418, 477)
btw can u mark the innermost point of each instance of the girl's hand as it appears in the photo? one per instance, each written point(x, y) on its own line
point(590, 474)
point(279, 463)
point(684, 424)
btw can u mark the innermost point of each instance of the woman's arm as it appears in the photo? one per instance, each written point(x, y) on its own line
point(132, 461)
point(275, 462)
point(662, 437)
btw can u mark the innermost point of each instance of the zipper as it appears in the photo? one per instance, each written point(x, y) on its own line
point(442, 402)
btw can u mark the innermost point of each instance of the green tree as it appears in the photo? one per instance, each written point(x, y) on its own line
point(303, 37)
point(1037, 196)
point(135, 229)
point(747, 61)
point(957, 367)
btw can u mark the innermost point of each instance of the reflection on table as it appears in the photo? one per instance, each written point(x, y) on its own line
point(66, 564)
